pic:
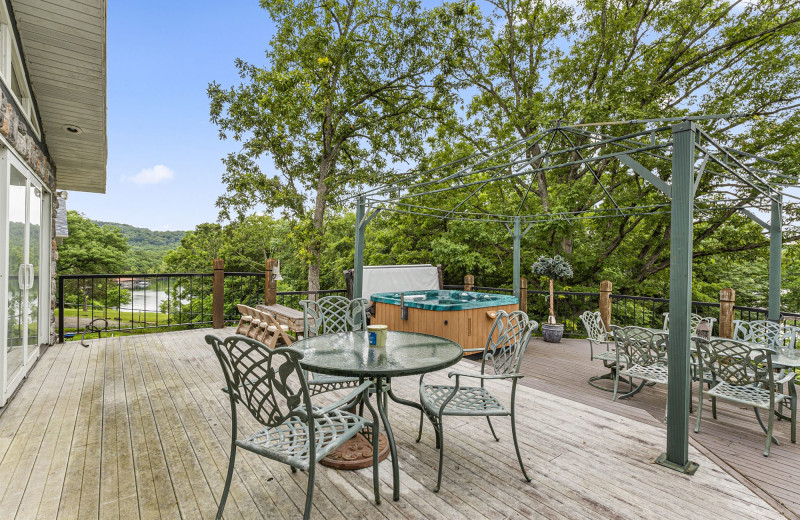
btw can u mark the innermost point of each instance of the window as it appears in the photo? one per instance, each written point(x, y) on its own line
point(12, 72)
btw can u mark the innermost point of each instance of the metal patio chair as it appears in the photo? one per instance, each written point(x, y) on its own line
point(597, 333)
point(331, 315)
point(696, 320)
point(504, 350)
point(745, 376)
point(766, 333)
point(272, 386)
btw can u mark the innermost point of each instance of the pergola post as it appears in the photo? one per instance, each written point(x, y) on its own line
point(358, 258)
point(775, 249)
point(680, 298)
point(517, 255)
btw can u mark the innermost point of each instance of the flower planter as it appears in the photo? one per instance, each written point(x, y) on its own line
point(552, 333)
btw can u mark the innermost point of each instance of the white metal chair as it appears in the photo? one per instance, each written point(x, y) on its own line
point(504, 350)
point(766, 333)
point(598, 334)
point(272, 386)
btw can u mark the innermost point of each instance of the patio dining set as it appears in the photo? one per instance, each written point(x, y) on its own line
point(277, 379)
point(756, 368)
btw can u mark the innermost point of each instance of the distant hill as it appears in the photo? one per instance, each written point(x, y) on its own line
point(147, 247)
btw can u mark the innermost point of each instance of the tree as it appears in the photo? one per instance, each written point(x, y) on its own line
point(523, 65)
point(555, 268)
point(349, 90)
point(91, 249)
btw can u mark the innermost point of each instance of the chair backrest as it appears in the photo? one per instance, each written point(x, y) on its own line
point(767, 333)
point(741, 364)
point(507, 341)
point(641, 346)
point(696, 320)
point(332, 314)
point(595, 326)
point(269, 383)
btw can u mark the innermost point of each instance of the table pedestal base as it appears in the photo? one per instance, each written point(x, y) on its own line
point(356, 453)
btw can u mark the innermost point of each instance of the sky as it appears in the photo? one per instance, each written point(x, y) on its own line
point(164, 154)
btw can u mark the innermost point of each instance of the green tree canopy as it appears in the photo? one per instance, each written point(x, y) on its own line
point(91, 249)
point(347, 91)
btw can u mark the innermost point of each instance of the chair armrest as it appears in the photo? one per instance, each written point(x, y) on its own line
point(788, 378)
point(346, 400)
point(485, 376)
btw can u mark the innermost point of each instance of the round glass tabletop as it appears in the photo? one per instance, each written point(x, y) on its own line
point(349, 354)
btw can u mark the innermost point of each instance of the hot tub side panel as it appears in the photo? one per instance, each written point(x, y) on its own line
point(469, 328)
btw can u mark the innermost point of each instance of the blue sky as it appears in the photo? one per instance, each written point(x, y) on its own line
point(164, 168)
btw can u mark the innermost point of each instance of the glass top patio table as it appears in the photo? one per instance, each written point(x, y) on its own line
point(349, 354)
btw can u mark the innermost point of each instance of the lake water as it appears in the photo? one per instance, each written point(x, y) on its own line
point(146, 300)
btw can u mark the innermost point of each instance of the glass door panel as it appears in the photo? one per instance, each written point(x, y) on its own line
point(17, 273)
point(32, 296)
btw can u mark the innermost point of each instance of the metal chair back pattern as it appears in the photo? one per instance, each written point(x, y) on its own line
point(696, 320)
point(269, 383)
point(767, 333)
point(507, 341)
point(740, 364)
point(641, 346)
point(333, 314)
point(595, 326)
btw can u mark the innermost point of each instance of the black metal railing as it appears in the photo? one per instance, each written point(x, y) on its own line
point(159, 302)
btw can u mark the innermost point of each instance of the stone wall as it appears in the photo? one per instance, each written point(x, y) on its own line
point(14, 128)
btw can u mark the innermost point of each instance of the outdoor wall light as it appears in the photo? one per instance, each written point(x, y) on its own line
point(72, 129)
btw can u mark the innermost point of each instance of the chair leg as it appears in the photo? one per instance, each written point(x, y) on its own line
point(770, 423)
point(699, 407)
point(421, 420)
point(516, 446)
point(489, 420)
point(310, 490)
point(440, 438)
point(794, 417)
point(228, 479)
point(616, 383)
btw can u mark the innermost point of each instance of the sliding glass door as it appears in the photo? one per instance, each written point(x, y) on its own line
point(26, 324)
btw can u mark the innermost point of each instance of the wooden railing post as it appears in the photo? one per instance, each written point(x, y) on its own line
point(727, 299)
point(523, 294)
point(270, 285)
point(218, 295)
point(605, 303)
point(469, 282)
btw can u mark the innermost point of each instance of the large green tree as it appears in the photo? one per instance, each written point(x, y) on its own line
point(348, 91)
point(91, 249)
point(522, 65)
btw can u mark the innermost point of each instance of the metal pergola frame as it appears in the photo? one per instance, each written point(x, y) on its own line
point(692, 154)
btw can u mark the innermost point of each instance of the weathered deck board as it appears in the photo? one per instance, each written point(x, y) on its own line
point(734, 438)
point(137, 427)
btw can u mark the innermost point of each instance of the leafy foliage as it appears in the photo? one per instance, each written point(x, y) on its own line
point(90, 248)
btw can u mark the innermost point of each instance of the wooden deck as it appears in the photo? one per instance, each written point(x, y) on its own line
point(137, 427)
point(735, 440)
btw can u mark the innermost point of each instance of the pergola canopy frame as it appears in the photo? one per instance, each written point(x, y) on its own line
point(681, 144)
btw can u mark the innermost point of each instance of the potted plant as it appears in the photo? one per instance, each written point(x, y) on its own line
point(555, 268)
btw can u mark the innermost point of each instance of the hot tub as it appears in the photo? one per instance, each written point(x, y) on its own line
point(464, 317)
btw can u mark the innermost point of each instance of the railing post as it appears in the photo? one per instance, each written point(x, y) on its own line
point(727, 299)
point(218, 295)
point(605, 303)
point(60, 309)
point(523, 294)
point(469, 282)
point(270, 285)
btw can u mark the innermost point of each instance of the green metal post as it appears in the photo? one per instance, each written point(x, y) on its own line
point(358, 260)
point(517, 259)
point(680, 299)
point(775, 248)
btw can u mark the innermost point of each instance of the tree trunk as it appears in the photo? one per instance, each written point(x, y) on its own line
point(552, 306)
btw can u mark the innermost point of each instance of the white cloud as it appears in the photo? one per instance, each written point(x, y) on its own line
point(154, 175)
